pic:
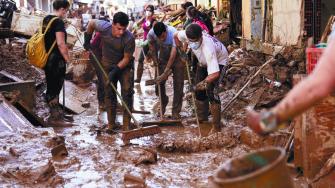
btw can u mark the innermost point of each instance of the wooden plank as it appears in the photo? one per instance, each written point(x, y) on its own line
point(297, 124)
point(74, 97)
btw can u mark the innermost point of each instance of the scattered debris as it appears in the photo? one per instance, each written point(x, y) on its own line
point(13, 152)
point(133, 181)
point(86, 104)
point(59, 151)
point(45, 172)
point(138, 155)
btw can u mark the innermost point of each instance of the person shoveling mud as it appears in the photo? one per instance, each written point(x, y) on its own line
point(168, 62)
point(118, 46)
point(209, 70)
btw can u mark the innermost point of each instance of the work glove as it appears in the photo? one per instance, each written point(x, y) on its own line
point(114, 73)
point(203, 85)
point(144, 43)
point(87, 41)
point(262, 123)
point(163, 76)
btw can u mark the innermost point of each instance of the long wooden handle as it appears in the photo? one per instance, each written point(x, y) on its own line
point(193, 95)
point(112, 85)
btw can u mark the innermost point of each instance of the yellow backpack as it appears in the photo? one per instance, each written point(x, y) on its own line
point(35, 49)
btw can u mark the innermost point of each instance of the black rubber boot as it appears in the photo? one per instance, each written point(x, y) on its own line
point(216, 121)
point(139, 73)
point(202, 109)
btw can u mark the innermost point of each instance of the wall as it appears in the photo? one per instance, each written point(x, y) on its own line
point(287, 21)
point(246, 19)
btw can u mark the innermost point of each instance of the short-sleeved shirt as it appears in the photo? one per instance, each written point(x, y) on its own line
point(58, 25)
point(169, 37)
point(211, 52)
point(113, 48)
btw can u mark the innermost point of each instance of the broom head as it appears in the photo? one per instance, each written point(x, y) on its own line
point(140, 132)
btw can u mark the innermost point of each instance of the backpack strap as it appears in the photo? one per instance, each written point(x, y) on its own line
point(49, 24)
point(46, 29)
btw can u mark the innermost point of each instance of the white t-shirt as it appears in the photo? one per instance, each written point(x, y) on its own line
point(211, 52)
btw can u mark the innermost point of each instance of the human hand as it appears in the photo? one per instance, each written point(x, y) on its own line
point(201, 85)
point(262, 123)
point(163, 76)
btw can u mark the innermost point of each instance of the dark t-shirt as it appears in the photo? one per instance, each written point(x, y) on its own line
point(113, 48)
point(57, 26)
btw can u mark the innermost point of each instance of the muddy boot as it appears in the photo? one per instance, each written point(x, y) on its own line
point(111, 116)
point(165, 102)
point(55, 114)
point(139, 73)
point(176, 116)
point(57, 119)
point(216, 121)
point(126, 122)
point(202, 109)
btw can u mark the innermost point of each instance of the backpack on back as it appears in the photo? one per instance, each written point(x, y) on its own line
point(35, 50)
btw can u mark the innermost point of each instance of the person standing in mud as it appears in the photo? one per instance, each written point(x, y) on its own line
point(59, 56)
point(96, 47)
point(118, 46)
point(161, 42)
point(146, 23)
point(212, 58)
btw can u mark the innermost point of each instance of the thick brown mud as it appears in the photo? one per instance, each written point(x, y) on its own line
point(177, 157)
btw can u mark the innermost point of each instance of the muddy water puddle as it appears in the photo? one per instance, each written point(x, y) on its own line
point(103, 161)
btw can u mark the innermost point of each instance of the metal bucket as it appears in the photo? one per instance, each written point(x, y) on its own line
point(265, 168)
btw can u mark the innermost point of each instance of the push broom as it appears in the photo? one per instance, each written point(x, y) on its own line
point(131, 134)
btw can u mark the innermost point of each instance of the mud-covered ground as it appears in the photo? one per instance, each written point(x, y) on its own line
point(174, 158)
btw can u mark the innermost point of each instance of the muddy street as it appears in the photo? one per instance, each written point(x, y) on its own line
point(173, 158)
point(125, 93)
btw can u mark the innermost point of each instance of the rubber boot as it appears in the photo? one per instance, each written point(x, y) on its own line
point(126, 122)
point(139, 72)
point(111, 116)
point(56, 117)
point(216, 121)
point(165, 102)
point(202, 109)
point(55, 114)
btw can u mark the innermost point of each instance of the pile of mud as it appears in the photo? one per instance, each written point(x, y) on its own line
point(197, 144)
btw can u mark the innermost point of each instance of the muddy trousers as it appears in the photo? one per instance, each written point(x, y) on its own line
point(100, 83)
point(126, 80)
point(178, 86)
point(208, 95)
point(140, 67)
point(54, 75)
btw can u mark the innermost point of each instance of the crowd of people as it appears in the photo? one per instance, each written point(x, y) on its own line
point(112, 42)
